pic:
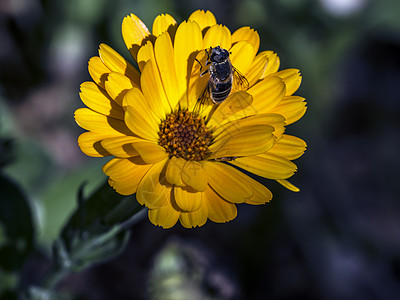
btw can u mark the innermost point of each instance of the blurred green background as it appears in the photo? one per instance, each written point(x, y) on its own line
point(339, 238)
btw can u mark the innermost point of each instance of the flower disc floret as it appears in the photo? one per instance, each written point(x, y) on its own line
point(184, 135)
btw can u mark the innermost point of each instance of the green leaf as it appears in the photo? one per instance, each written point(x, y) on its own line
point(18, 226)
point(95, 233)
point(91, 250)
point(99, 204)
point(98, 213)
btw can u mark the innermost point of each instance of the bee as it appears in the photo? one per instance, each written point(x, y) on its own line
point(222, 76)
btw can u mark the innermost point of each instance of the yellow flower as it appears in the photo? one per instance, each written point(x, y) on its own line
point(182, 162)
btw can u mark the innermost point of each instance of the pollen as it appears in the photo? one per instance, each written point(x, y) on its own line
point(184, 134)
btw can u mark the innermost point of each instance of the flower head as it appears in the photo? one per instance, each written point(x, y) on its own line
point(183, 156)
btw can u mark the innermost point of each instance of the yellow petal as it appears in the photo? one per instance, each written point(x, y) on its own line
point(165, 216)
point(245, 188)
point(117, 85)
point(249, 140)
point(139, 125)
point(219, 210)
point(203, 18)
point(150, 152)
point(194, 218)
point(174, 171)
point(249, 35)
point(125, 174)
point(257, 68)
point(164, 23)
point(198, 83)
point(188, 40)
point(146, 53)
point(98, 71)
point(153, 90)
point(266, 94)
point(275, 120)
point(152, 189)
point(266, 165)
point(164, 51)
point(289, 147)
point(273, 63)
point(89, 142)
point(117, 63)
point(217, 35)
point(261, 194)
point(134, 33)
point(278, 122)
point(136, 99)
point(234, 127)
point(288, 185)
point(292, 108)
point(235, 103)
point(98, 100)
point(187, 199)
point(120, 146)
point(229, 183)
point(93, 121)
point(291, 78)
point(242, 56)
point(193, 175)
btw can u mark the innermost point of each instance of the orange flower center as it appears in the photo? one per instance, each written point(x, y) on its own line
point(184, 134)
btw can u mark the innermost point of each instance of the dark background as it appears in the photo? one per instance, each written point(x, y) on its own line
point(339, 238)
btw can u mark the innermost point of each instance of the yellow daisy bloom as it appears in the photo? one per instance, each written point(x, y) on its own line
point(182, 162)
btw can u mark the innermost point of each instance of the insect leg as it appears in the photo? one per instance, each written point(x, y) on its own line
point(203, 73)
point(201, 66)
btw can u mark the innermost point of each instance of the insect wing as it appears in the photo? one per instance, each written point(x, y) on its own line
point(240, 81)
point(203, 101)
